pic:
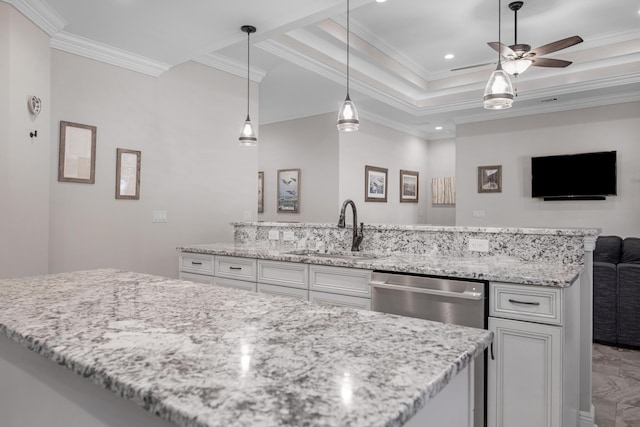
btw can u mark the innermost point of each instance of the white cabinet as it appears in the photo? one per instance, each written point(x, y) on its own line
point(233, 272)
point(533, 370)
point(526, 375)
point(340, 280)
point(340, 300)
point(284, 291)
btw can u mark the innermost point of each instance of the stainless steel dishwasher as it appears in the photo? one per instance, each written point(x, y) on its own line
point(455, 301)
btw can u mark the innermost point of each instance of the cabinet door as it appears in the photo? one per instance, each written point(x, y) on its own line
point(525, 376)
point(340, 300)
point(285, 291)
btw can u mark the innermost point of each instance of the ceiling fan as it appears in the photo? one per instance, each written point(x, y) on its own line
point(518, 57)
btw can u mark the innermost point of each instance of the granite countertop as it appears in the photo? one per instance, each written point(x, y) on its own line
point(492, 268)
point(213, 356)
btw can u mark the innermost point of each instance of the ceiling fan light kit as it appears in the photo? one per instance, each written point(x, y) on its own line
point(348, 114)
point(248, 136)
point(498, 93)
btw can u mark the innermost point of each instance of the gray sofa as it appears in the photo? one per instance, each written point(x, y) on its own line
point(616, 291)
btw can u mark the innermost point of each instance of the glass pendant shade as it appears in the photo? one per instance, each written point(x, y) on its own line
point(248, 134)
point(348, 117)
point(516, 66)
point(498, 94)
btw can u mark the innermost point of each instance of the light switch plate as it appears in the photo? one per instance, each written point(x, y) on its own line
point(478, 214)
point(159, 216)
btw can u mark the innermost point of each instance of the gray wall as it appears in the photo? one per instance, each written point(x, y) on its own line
point(24, 162)
point(186, 123)
point(309, 144)
point(512, 142)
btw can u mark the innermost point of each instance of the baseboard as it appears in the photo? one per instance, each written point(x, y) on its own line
point(588, 419)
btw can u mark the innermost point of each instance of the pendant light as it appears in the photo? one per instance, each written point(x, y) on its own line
point(248, 134)
point(498, 94)
point(348, 115)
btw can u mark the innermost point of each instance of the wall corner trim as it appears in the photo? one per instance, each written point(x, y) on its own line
point(41, 14)
point(231, 66)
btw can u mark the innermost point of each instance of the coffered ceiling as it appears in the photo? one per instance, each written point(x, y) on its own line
point(399, 74)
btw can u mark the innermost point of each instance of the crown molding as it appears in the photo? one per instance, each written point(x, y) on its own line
point(41, 14)
point(231, 66)
point(108, 54)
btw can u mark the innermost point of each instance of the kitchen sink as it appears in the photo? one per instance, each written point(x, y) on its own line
point(356, 256)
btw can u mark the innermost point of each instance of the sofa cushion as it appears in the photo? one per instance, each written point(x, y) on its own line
point(608, 249)
point(630, 251)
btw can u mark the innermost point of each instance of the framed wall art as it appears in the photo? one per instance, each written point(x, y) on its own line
point(77, 155)
point(490, 179)
point(408, 186)
point(289, 191)
point(260, 192)
point(128, 174)
point(375, 184)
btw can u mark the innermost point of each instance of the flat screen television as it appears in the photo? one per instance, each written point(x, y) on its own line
point(584, 176)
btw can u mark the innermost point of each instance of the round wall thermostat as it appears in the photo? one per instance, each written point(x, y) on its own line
point(35, 105)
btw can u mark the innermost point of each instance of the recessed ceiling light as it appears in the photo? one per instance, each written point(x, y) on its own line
point(438, 127)
point(449, 56)
point(380, 1)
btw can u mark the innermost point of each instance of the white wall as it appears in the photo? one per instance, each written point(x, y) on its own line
point(24, 162)
point(186, 123)
point(512, 142)
point(309, 144)
point(377, 145)
point(441, 162)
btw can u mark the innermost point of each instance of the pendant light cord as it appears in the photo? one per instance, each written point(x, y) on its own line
point(348, 48)
point(248, 68)
point(499, 40)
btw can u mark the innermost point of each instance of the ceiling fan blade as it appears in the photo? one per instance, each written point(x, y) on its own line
point(550, 62)
point(503, 49)
point(472, 66)
point(557, 45)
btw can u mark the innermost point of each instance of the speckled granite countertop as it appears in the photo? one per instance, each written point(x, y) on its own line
point(497, 268)
point(213, 356)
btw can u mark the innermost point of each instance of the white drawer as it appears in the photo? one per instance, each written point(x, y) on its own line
point(532, 303)
point(302, 294)
point(233, 283)
point(340, 300)
point(290, 274)
point(340, 280)
point(235, 268)
point(200, 278)
point(196, 263)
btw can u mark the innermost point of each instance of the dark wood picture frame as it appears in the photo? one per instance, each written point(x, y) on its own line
point(288, 190)
point(77, 153)
point(375, 184)
point(128, 174)
point(409, 186)
point(490, 179)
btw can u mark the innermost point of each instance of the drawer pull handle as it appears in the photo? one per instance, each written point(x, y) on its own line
point(235, 268)
point(513, 301)
point(195, 263)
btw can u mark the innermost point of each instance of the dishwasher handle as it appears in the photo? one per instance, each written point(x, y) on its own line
point(476, 296)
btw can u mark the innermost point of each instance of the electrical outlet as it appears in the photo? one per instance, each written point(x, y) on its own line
point(159, 216)
point(247, 215)
point(288, 236)
point(274, 235)
point(479, 245)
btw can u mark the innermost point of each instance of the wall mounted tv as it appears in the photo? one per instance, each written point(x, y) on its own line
point(584, 176)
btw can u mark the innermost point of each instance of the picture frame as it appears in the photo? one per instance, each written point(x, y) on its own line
point(288, 190)
point(409, 186)
point(260, 192)
point(77, 153)
point(128, 174)
point(490, 179)
point(375, 184)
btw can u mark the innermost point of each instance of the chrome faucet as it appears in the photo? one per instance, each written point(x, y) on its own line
point(357, 235)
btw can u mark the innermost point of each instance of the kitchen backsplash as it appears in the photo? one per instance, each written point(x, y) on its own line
point(562, 246)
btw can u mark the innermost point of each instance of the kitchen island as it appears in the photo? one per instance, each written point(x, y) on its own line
point(210, 356)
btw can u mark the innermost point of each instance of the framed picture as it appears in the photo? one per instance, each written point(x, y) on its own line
point(490, 179)
point(288, 191)
point(260, 192)
point(375, 184)
point(408, 186)
point(128, 174)
point(77, 155)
